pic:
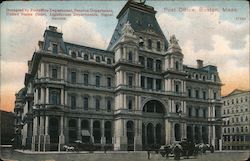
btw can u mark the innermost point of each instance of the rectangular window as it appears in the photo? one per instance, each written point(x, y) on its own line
point(197, 94)
point(190, 111)
point(149, 63)
point(142, 60)
point(130, 81)
point(73, 102)
point(54, 49)
point(215, 95)
point(54, 73)
point(85, 103)
point(142, 81)
point(158, 65)
point(109, 82)
point(97, 104)
point(197, 112)
point(177, 88)
point(189, 93)
point(204, 95)
point(130, 105)
point(149, 83)
point(204, 113)
point(85, 79)
point(73, 77)
point(108, 105)
point(158, 84)
point(97, 81)
point(54, 97)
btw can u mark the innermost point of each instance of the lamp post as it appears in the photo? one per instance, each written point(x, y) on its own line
point(180, 114)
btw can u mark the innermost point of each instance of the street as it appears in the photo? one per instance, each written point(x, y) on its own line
point(8, 155)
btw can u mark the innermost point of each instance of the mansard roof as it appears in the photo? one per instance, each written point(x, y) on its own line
point(237, 91)
point(141, 17)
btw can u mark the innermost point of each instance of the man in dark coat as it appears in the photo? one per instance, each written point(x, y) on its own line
point(177, 152)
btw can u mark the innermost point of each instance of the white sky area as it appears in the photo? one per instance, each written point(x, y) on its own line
point(218, 38)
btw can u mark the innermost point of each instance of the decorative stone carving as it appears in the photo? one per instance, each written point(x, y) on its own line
point(174, 45)
point(128, 30)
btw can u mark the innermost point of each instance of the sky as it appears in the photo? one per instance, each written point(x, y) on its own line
point(217, 34)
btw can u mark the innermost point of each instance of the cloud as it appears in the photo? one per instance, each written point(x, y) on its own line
point(80, 31)
point(19, 40)
point(218, 42)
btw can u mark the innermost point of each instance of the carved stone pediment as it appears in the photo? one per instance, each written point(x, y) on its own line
point(128, 30)
point(149, 31)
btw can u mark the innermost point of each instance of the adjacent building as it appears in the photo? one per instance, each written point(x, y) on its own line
point(134, 94)
point(236, 123)
point(7, 127)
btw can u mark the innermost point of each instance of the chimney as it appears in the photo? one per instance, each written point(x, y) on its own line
point(53, 28)
point(199, 63)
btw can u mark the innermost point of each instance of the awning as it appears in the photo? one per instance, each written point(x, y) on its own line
point(85, 133)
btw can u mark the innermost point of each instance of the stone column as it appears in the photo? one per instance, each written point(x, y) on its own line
point(61, 137)
point(154, 83)
point(42, 96)
point(41, 134)
point(79, 129)
point(138, 135)
point(184, 130)
point(62, 96)
point(34, 137)
point(47, 70)
point(62, 73)
point(66, 98)
point(124, 101)
point(103, 139)
point(42, 71)
point(66, 73)
point(66, 130)
point(47, 95)
point(46, 136)
point(91, 131)
point(168, 131)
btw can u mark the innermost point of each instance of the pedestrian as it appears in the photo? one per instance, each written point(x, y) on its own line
point(211, 148)
point(148, 152)
point(177, 152)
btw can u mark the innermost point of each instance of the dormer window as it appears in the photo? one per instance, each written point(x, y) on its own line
point(97, 59)
point(149, 44)
point(54, 48)
point(141, 42)
point(177, 65)
point(79, 54)
point(130, 57)
point(86, 57)
point(73, 54)
point(158, 46)
point(108, 61)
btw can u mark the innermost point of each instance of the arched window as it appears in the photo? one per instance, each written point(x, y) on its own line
point(130, 135)
point(79, 54)
point(97, 59)
point(97, 132)
point(108, 134)
point(177, 132)
point(158, 133)
point(149, 44)
point(72, 130)
point(86, 57)
point(54, 130)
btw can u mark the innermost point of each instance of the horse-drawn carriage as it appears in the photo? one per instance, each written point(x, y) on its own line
point(184, 148)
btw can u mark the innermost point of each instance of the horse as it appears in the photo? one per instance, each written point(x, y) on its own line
point(69, 148)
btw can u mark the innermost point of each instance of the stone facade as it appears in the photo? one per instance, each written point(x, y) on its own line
point(135, 94)
point(236, 112)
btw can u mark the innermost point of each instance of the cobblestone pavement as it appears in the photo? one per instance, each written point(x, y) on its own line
point(8, 155)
